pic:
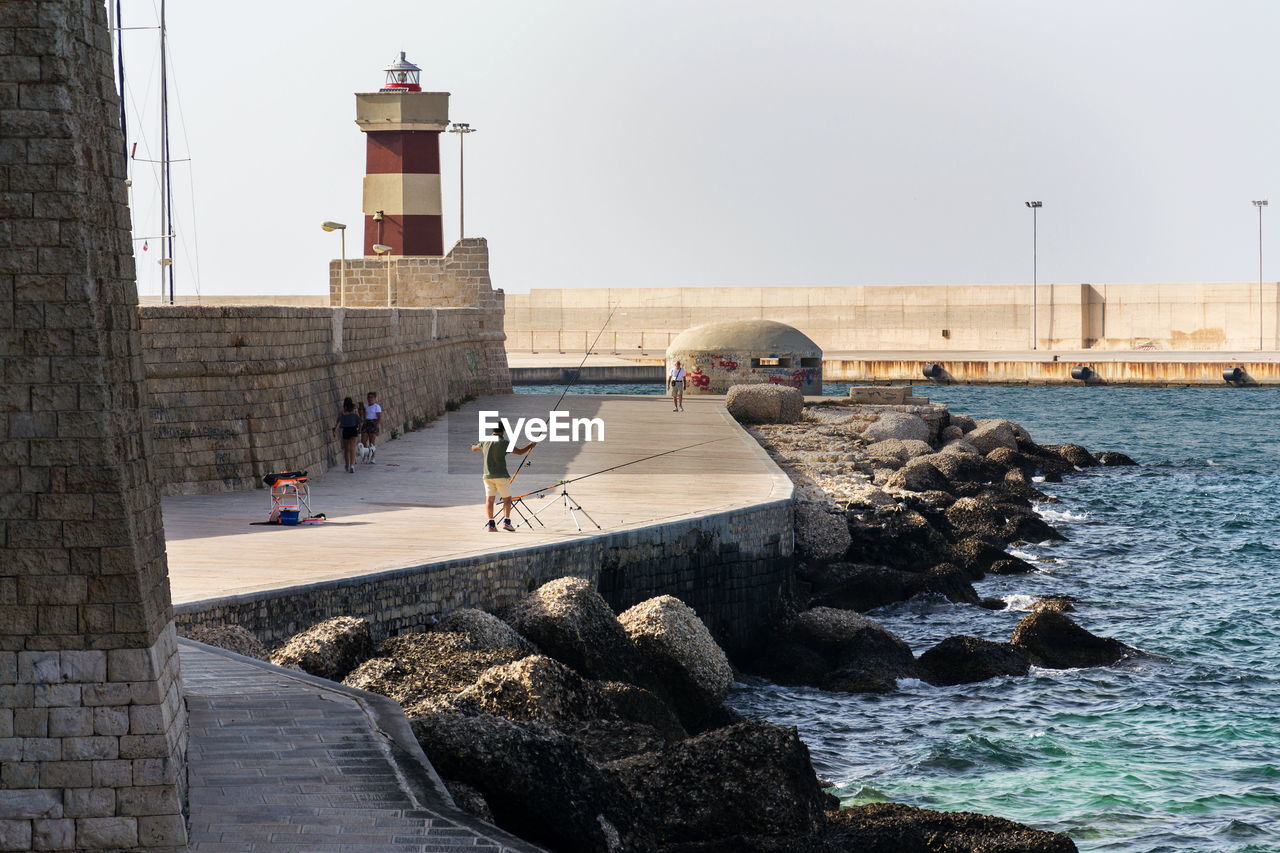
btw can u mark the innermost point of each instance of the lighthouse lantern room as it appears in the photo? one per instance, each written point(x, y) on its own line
point(402, 76)
point(402, 126)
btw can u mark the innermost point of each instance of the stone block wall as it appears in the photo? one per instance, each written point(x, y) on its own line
point(733, 568)
point(92, 723)
point(459, 279)
point(239, 392)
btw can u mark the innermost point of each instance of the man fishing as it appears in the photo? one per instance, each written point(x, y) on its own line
point(497, 480)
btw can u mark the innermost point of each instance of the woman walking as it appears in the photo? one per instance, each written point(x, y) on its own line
point(349, 422)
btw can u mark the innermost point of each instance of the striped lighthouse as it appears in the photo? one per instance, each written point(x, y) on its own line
point(402, 126)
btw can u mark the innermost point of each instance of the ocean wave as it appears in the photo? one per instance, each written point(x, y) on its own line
point(1059, 515)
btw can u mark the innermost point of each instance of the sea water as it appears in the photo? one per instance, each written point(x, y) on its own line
point(1179, 557)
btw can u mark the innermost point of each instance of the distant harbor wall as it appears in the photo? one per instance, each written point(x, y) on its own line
point(962, 368)
point(1024, 372)
point(733, 568)
point(238, 392)
point(1175, 317)
point(602, 375)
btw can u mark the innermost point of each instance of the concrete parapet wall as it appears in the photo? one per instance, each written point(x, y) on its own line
point(732, 567)
point(1189, 317)
point(239, 392)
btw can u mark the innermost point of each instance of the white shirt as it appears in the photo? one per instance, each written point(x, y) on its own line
point(678, 374)
point(372, 411)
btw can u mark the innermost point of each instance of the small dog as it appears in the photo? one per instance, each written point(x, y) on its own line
point(366, 452)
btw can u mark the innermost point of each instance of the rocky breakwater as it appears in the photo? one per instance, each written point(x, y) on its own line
point(580, 729)
point(895, 501)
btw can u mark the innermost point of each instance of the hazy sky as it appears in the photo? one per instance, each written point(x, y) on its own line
point(691, 143)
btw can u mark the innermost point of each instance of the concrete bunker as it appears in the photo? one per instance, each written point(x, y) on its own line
point(738, 352)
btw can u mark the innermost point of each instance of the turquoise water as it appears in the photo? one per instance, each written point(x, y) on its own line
point(1178, 557)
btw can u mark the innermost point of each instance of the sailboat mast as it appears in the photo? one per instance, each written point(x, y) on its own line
point(166, 181)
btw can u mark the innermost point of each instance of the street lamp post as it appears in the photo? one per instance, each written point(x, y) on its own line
point(1035, 272)
point(462, 129)
point(1260, 203)
point(385, 251)
point(342, 267)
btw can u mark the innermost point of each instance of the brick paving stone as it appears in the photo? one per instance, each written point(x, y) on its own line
point(280, 764)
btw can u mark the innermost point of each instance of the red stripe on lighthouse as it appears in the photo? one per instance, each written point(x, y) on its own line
point(391, 152)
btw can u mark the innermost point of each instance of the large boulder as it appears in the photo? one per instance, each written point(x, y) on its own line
point(970, 517)
point(764, 404)
point(898, 828)
point(992, 433)
point(977, 556)
point(572, 623)
point(535, 688)
point(820, 533)
point(858, 586)
point(418, 670)
point(233, 638)
point(540, 689)
point(963, 660)
point(964, 422)
point(484, 630)
point(918, 475)
point(329, 649)
point(1111, 458)
point(1029, 527)
point(862, 654)
point(752, 778)
point(863, 496)
point(904, 540)
point(1073, 453)
point(897, 448)
point(958, 465)
point(899, 425)
point(539, 783)
point(678, 656)
point(1055, 642)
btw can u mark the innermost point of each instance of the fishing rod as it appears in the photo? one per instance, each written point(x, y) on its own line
point(613, 468)
point(576, 376)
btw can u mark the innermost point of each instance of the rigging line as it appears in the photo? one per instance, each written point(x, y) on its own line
point(576, 376)
point(191, 190)
point(615, 468)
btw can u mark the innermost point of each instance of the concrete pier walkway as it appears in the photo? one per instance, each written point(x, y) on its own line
point(281, 762)
point(422, 500)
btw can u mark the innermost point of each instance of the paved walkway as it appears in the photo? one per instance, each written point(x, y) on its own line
point(422, 500)
point(286, 763)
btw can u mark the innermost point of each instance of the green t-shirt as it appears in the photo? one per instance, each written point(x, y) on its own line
point(495, 459)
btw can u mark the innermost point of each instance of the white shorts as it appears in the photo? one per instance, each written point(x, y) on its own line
point(497, 486)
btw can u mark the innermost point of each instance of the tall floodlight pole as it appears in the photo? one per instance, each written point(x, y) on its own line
point(1260, 203)
point(385, 251)
point(1035, 273)
point(462, 129)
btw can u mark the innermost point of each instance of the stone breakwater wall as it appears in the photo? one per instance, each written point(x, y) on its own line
point(1231, 316)
point(734, 568)
point(239, 392)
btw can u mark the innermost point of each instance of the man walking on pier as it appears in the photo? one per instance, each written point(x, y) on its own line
point(497, 480)
point(675, 381)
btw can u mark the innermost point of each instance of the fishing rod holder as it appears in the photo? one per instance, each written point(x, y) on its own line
point(570, 505)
